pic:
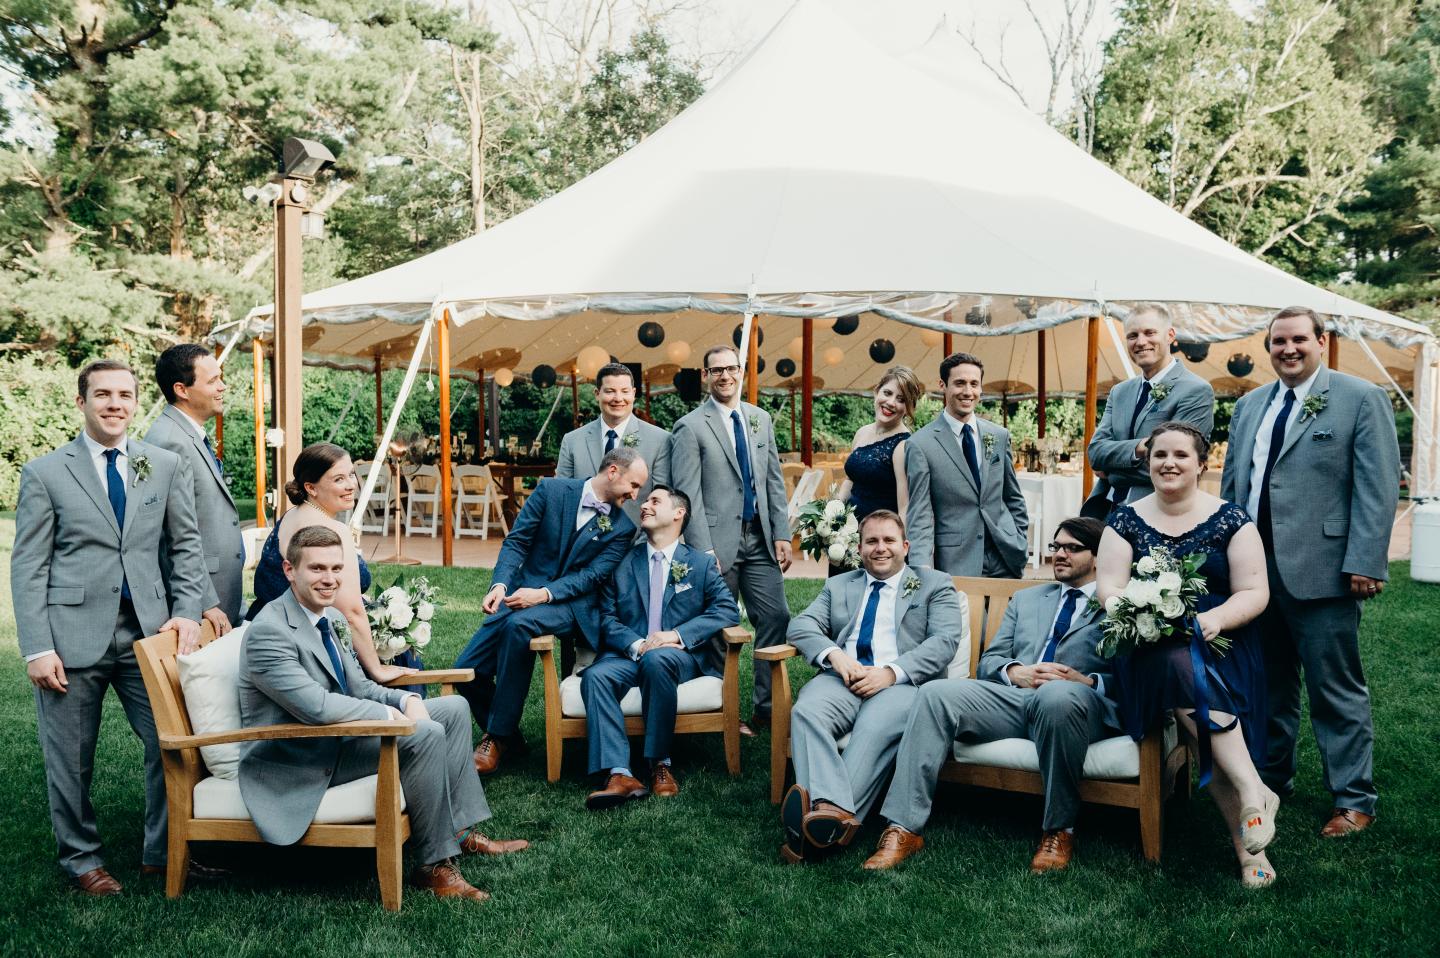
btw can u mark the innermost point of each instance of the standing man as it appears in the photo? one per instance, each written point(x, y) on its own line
point(568, 538)
point(660, 619)
point(723, 456)
point(966, 514)
point(1314, 459)
point(582, 449)
point(86, 579)
point(194, 390)
point(1165, 391)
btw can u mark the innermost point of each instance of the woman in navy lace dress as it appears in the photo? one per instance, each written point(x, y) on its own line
point(1218, 698)
point(322, 487)
point(875, 468)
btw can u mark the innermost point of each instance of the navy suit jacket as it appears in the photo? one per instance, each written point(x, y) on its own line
point(698, 606)
point(544, 550)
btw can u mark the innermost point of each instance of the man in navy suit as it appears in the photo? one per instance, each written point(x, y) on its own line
point(568, 538)
point(660, 621)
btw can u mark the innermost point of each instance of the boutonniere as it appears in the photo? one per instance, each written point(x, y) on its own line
point(988, 440)
point(754, 424)
point(1313, 406)
point(910, 587)
point(603, 521)
point(631, 440)
point(678, 572)
point(1159, 391)
point(141, 465)
point(341, 630)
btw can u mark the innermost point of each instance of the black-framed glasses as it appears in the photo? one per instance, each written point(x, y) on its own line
point(724, 370)
point(1069, 548)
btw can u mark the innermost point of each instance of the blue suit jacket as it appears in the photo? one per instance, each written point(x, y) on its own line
point(544, 550)
point(698, 606)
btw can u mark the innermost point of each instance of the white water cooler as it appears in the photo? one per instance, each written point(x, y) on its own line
point(1425, 542)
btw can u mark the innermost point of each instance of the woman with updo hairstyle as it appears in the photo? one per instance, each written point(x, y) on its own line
point(322, 486)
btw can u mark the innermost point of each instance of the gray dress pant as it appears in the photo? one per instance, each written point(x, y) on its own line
point(827, 710)
point(69, 725)
point(755, 578)
point(1061, 718)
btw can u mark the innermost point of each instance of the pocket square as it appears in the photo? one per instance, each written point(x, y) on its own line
point(1322, 435)
point(152, 500)
point(683, 587)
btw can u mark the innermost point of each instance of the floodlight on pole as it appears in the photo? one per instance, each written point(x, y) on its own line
point(305, 159)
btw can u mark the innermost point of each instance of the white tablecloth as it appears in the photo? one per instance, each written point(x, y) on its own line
point(1060, 498)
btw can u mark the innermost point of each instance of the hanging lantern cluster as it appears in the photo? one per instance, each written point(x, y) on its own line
point(1239, 365)
point(650, 334)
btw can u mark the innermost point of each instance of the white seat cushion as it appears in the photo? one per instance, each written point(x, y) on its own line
point(960, 665)
point(210, 682)
point(1117, 757)
point(350, 804)
point(697, 695)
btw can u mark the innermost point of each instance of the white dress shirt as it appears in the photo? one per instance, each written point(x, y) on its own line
point(196, 427)
point(619, 430)
point(584, 514)
point(669, 553)
point(1261, 452)
point(97, 459)
point(1160, 375)
point(725, 412)
point(884, 641)
point(957, 427)
point(1089, 593)
point(315, 618)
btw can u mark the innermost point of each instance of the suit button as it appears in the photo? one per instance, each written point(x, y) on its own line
point(116, 589)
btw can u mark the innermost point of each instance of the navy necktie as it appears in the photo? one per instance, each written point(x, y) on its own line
point(742, 456)
point(967, 443)
point(863, 652)
point(610, 438)
point(1139, 406)
point(1277, 439)
point(1062, 623)
point(219, 466)
point(115, 489)
point(324, 626)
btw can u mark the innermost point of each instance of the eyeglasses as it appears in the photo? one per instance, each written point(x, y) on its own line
point(724, 370)
point(1069, 548)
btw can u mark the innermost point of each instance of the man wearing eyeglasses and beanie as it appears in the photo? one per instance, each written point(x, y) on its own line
point(1040, 679)
point(723, 455)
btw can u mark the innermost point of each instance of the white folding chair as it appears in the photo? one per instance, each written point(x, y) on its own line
point(377, 510)
point(805, 490)
point(423, 497)
point(476, 490)
point(1035, 537)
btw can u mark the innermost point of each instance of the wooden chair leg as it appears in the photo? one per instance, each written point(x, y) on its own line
point(554, 744)
point(730, 708)
point(780, 703)
point(178, 801)
point(1152, 799)
point(388, 840)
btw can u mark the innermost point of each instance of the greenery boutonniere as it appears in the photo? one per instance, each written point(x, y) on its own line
point(1313, 406)
point(754, 424)
point(141, 465)
point(911, 585)
point(678, 572)
point(631, 440)
point(1159, 391)
point(989, 442)
point(341, 630)
point(603, 521)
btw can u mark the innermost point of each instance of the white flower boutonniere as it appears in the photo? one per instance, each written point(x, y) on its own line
point(912, 584)
point(988, 440)
point(631, 440)
point(141, 465)
point(754, 423)
point(678, 572)
point(1159, 391)
point(603, 521)
point(1313, 406)
point(341, 629)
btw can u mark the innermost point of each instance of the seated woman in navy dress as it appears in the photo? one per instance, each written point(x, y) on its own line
point(875, 468)
point(1218, 698)
point(323, 486)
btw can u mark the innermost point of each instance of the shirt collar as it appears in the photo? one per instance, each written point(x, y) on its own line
point(98, 451)
point(668, 551)
point(619, 430)
point(1302, 390)
point(195, 427)
point(1088, 588)
point(724, 409)
point(313, 617)
point(588, 487)
point(891, 582)
point(1162, 373)
point(957, 425)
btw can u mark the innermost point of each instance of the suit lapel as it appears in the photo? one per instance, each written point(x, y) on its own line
point(180, 420)
point(724, 434)
point(80, 466)
point(569, 507)
point(981, 454)
point(848, 598)
point(1292, 436)
point(1042, 615)
point(1244, 436)
point(950, 442)
point(307, 634)
point(681, 556)
point(902, 606)
point(596, 444)
point(1152, 406)
point(640, 569)
point(134, 490)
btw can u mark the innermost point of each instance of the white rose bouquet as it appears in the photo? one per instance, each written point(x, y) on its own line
point(400, 617)
point(1156, 604)
point(828, 529)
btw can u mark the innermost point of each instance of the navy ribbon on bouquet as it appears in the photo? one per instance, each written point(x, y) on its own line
point(1202, 698)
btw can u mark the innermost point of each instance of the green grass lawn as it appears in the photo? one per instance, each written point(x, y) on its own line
point(700, 875)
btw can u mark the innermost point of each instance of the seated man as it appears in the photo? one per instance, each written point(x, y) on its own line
point(292, 669)
point(1040, 679)
point(660, 619)
point(567, 540)
point(876, 634)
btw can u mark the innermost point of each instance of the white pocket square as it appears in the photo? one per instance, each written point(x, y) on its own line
point(682, 587)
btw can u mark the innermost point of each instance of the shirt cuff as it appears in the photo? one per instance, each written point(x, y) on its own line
point(405, 699)
point(1005, 671)
point(1099, 683)
point(900, 677)
point(548, 597)
point(821, 659)
point(39, 655)
point(635, 649)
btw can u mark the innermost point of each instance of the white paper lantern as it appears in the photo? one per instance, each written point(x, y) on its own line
point(833, 356)
point(796, 349)
point(931, 338)
point(503, 377)
point(590, 360)
point(677, 352)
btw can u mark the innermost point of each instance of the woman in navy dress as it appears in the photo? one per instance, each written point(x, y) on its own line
point(323, 486)
point(1218, 698)
point(875, 468)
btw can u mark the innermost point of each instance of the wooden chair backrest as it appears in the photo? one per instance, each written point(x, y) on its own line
point(156, 655)
point(987, 599)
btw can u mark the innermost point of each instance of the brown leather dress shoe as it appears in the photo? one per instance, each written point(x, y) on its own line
point(443, 880)
point(475, 842)
point(618, 790)
point(196, 870)
point(487, 754)
point(896, 845)
point(1055, 851)
point(99, 883)
point(1345, 821)
point(828, 824)
point(662, 782)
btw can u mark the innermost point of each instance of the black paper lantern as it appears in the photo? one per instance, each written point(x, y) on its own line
point(1195, 352)
point(785, 368)
point(1239, 365)
point(846, 325)
point(651, 334)
point(759, 365)
point(687, 384)
point(759, 335)
point(543, 376)
point(882, 350)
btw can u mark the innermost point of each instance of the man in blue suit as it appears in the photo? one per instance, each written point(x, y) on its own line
point(568, 538)
point(660, 621)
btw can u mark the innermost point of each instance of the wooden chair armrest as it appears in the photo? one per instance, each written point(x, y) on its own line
point(777, 653)
point(432, 677)
point(542, 643)
point(736, 635)
point(386, 728)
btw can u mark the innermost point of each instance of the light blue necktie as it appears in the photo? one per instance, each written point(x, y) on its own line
point(657, 591)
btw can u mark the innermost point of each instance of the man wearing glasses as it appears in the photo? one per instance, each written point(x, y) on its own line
point(724, 457)
point(1040, 679)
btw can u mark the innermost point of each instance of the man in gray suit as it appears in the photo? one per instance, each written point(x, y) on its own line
point(582, 449)
point(878, 635)
point(1314, 459)
point(1039, 679)
point(723, 455)
point(966, 514)
point(87, 582)
point(194, 391)
point(295, 666)
point(1165, 391)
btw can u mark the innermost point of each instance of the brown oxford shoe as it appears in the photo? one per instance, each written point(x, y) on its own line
point(98, 883)
point(896, 845)
point(443, 880)
point(487, 754)
point(662, 782)
point(618, 790)
point(1055, 851)
point(475, 842)
point(1345, 821)
point(196, 870)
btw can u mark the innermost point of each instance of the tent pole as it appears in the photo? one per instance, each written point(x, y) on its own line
point(1334, 358)
point(447, 491)
point(650, 415)
point(752, 390)
point(259, 385)
point(949, 345)
point(220, 417)
point(792, 416)
point(1092, 394)
point(379, 399)
point(1040, 406)
point(575, 396)
point(807, 389)
point(480, 414)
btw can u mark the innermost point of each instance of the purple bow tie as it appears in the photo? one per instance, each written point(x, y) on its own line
point(588, 501)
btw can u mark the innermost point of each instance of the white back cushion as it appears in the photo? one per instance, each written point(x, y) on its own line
point(210, 682)
point(960, 664)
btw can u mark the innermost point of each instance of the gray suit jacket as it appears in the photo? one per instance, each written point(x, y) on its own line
point(947, 517)
point(582, 449)
point(1025, 630)
point(1112, 449)
point(1334, 489)
point(704, 467)
point(70, 557)
point(928, 621)
point(214, 512)
point(286, 676)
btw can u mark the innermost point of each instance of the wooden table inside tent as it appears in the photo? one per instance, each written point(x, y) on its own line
point(505, 474)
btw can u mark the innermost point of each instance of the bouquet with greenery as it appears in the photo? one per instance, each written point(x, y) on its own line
point(1156, 604)
point(400, 617)
point(828, 530)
